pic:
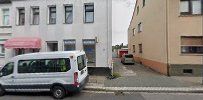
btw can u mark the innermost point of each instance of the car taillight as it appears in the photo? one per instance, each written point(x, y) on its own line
point(76, 83)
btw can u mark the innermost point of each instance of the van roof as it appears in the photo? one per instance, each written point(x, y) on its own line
point(48, 54)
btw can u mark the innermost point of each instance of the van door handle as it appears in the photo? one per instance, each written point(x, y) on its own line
point(12, 77)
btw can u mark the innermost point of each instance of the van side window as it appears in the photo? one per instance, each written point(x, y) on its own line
point(8, 69)
point(81, 62)
point(44, 65)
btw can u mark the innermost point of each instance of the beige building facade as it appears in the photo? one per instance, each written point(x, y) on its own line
point(167, 36)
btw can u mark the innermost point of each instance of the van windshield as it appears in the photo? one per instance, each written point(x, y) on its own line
point(129, 56)
point(81, 62)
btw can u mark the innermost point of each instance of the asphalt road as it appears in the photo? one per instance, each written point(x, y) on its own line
point(105, 96)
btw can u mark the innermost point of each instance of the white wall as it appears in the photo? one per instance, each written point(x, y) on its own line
point(101, 28)
point(5, 32)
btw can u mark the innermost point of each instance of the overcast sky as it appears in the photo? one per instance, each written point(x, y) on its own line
point(122, 14)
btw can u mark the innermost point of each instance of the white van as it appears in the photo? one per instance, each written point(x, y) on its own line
point(57, 72)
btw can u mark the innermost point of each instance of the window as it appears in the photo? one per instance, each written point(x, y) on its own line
point(187, 71)
point(8, 69)
point(21, 20)
point(69, 45)
point(189, 7)
point(134, 31)
point(81, 62)
point(52, 46)
point(191, 45)
point(69, 14)
point(52, 15)
point(140, 48)
point(44, 65)
point(138, 10)
point(89, 13)
point(143, 3)
point(133, 48)
point(5, 17)
point(128, 56)
point(35, 16)
point(139, 27)
point(2, 50)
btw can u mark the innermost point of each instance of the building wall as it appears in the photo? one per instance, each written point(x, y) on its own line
point(153, 35)
point(5, 31)
point(101, 28)
point(179, 25)
point(182, 26)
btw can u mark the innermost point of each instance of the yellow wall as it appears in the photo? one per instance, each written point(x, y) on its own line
point(182, 26)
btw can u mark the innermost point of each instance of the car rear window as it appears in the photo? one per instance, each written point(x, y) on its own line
point(129, 56)
point(81, 62)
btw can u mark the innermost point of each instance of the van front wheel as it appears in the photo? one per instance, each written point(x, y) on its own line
point(58, 92)
point(2, 91)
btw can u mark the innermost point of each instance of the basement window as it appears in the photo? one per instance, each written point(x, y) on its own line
point(187, 71)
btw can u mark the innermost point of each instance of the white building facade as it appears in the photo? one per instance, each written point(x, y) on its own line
point(5, 27)
point(62, 25)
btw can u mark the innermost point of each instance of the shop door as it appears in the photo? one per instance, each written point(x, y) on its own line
point(89, 47)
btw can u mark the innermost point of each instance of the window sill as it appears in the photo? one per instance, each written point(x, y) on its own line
point(51, 24)
point(190, 54)
point(191, 15)
point(68, 23)
point(88, 22)
point(5, 26)
point(34, 24)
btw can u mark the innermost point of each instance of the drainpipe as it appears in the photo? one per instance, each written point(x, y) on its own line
point(167, 45)
point(202, 35)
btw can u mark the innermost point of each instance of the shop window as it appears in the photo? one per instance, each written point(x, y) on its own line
point(52, 46)
point(69, 45)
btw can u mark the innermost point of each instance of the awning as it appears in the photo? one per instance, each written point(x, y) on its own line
point(23, 42)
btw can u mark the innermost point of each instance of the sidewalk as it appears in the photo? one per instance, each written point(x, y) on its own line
point(141, 79)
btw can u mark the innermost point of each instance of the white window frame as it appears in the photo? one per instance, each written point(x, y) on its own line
point(3, 15)
point(18, 17)
point(86, 4)
point(32, 15)
point(68, 5)
point(2, 54)
point(48, 14)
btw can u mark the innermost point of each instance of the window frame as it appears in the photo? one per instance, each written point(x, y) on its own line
point(7, 15)
point(140, 27)
point(68, 67)
point(85, 12)
point(190, 7)
point(68, 11)
point(143, 3)
point(33, 14)
point(51, 12)
point(140, 48)
point(19, 16)
point(191, 47)
point(2, 54)
point(7, 65)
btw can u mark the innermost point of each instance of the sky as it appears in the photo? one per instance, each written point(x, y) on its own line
point(121, 17)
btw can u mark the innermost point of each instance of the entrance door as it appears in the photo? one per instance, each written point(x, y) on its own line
point(89, 47)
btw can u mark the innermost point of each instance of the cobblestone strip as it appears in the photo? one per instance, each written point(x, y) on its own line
point(146, 89)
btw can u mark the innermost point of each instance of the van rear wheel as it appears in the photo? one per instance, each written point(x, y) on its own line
point(58, 92)
point(2, 91)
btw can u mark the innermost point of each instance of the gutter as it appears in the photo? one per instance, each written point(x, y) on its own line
point(167, 43)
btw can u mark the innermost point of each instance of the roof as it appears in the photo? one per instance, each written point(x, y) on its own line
point(5, 1)
point(42, 55)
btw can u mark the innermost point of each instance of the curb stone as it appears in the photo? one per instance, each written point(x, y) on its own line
point(147, 89)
